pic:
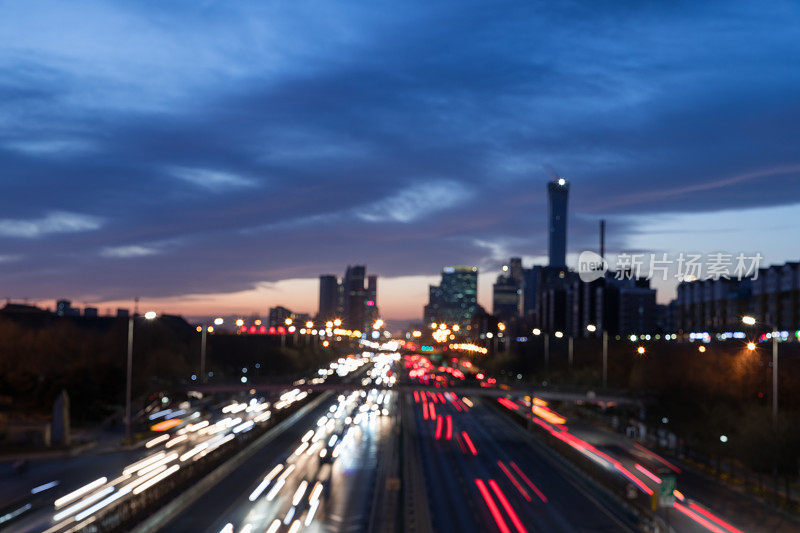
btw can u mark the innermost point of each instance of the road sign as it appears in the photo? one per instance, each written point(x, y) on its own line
point(666, 496)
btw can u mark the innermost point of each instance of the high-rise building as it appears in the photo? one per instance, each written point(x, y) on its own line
point(557, 194)
point(506, 297)
point(530, 289)
point(455, 299)
point(371, 302)
point(772, 296)
point(328, 298)
point(355, 297)
point(516, 270)
point(278, 316)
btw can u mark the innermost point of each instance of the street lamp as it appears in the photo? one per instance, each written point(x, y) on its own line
point(204, 330)
point(537, 332)
point(592, 328)
point(751, 321)
point(150, 315)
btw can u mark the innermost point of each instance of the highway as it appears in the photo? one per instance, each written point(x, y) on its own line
point(264, 489)
point(318, 474)
point(483, 475)
point(329, 466)
point(94, 491)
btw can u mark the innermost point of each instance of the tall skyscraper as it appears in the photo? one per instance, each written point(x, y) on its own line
point(355, 297)
point(557, 194)
point(516, 270)
point(371, 299)
point(351, 299)
point(506, 297)
point(455, 299)
point(328, 297)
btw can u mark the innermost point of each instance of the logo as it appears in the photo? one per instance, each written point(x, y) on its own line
point(591, 266)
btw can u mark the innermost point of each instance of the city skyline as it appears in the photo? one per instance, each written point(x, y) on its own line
point(234, 171)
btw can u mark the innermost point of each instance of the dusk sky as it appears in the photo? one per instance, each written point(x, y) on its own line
point(216, 157)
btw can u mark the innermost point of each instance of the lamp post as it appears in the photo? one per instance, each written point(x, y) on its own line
point(287, 322)
point(203, 374)
point(559, 335)
point(750, 321)
point(203, 329)
point(537, 332)
point(591, 328)
point(569, 352)
point(150, 315)
point(309, 326)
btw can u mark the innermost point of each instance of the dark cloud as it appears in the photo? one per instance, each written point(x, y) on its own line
point(227, 145)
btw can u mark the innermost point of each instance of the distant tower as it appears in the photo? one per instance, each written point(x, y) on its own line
point(328, 297)
point(557, 194)
point(354, 297)
point(602, 238)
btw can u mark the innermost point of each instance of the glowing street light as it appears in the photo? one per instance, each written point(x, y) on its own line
point(337, 322)
point(536, 331)
point(378, 324)
point(640, 350)
point(751, 321)
point(591, 328)
point(501, 326)
point(751, 346)
point(559, 334)
point(701, 349)
point(240, 322)
point(288, 321)
point(149, 315)
point(309, 324)
point(218, 321)
point(456, 327)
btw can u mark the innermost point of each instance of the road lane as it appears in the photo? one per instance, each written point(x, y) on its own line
point(472, 492)
point(318, 474)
